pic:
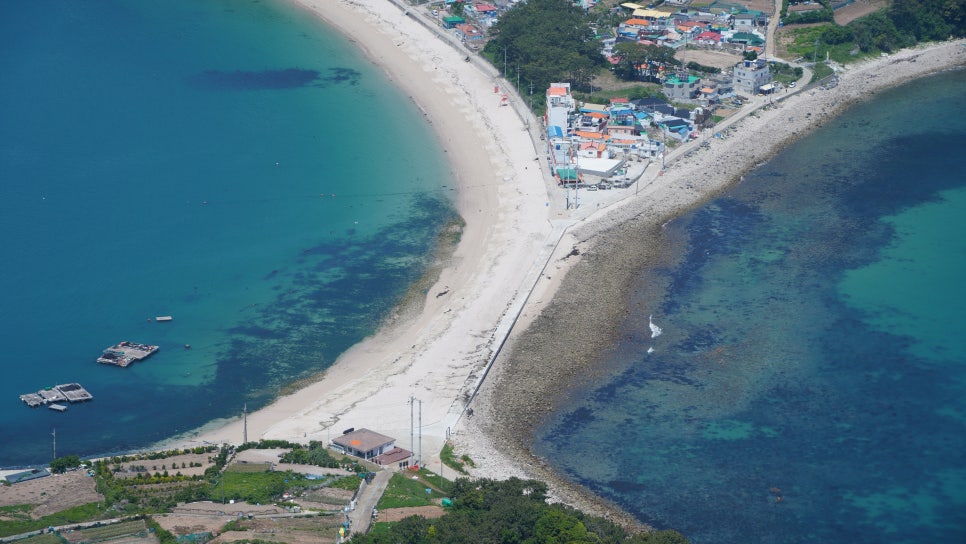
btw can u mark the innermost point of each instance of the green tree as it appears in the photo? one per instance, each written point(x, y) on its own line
point(63, 464)
point(457, 8)
point(547, 41)
point(666, 536)
point(836, 34)
point(637, 60)
point(557, 527)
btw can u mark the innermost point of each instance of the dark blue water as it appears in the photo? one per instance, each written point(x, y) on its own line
point(236, 165)
point(810, 381)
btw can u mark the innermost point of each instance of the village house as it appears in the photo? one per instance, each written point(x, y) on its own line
point(372, 446)
point(468, 33)
point(751, 75)
point(744, 22)
point(594, 139)
point(680, 88)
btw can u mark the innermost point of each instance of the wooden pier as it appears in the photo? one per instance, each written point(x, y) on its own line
point(65, 392)
point(125, 353)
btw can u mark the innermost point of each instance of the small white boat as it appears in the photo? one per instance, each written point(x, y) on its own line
point(163, 318)
point(57, 407)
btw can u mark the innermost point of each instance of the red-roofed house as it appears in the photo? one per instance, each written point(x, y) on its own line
point(468, 32)
point(709, 37)
point(592, 149)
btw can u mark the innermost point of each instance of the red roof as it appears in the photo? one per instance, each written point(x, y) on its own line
point(485, 7)
point(469, 30)
point(557, 91)
point(709, 35)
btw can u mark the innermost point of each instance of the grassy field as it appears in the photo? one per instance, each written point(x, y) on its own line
point(403, 491)
point(349, 482)
point(805, 42)
point(258, 487)
point(77, 514)
point(249, 467)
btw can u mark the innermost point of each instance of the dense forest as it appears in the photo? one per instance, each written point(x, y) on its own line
point(903, 24)
point(543, 41)
point(511, 511)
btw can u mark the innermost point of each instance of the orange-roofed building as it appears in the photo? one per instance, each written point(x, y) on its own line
point(468, 32)
point(637, 22)
point(364, 443)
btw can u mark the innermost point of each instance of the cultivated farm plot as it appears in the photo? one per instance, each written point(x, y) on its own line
point(130, 529)
point(857, 9)
point(249, 467)
point(173, 465)
point(765, 6)
point(45, 538)
point(52, 494)
point(300, 530)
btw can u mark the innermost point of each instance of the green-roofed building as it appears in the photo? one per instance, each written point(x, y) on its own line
point(452, 21)
point(747, 38)
point(678, 88)
point(567, 174)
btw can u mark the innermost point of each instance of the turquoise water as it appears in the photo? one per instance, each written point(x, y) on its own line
point(235, 165)
point(810, 381)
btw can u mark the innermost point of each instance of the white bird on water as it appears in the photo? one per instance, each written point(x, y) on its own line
point(655, 330)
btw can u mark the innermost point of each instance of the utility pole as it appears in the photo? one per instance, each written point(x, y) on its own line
point(420, 460)
point(412, 443)
point(504, 61)
point(245, 424)
point(664, 153)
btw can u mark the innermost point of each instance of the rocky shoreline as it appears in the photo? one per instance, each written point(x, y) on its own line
point(542, 364)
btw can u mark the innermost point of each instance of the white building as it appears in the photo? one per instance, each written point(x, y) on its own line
point(751, 75)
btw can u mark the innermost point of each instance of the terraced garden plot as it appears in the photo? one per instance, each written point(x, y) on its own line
point(107, 532)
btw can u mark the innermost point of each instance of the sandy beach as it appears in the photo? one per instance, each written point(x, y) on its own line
point(514, 273)
point(437, 355)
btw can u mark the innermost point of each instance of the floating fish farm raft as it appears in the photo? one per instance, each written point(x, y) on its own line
point(125, 353)
point(69, 392)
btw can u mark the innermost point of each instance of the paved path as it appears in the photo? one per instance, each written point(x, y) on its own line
point(361, 517)
point(772, 33)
